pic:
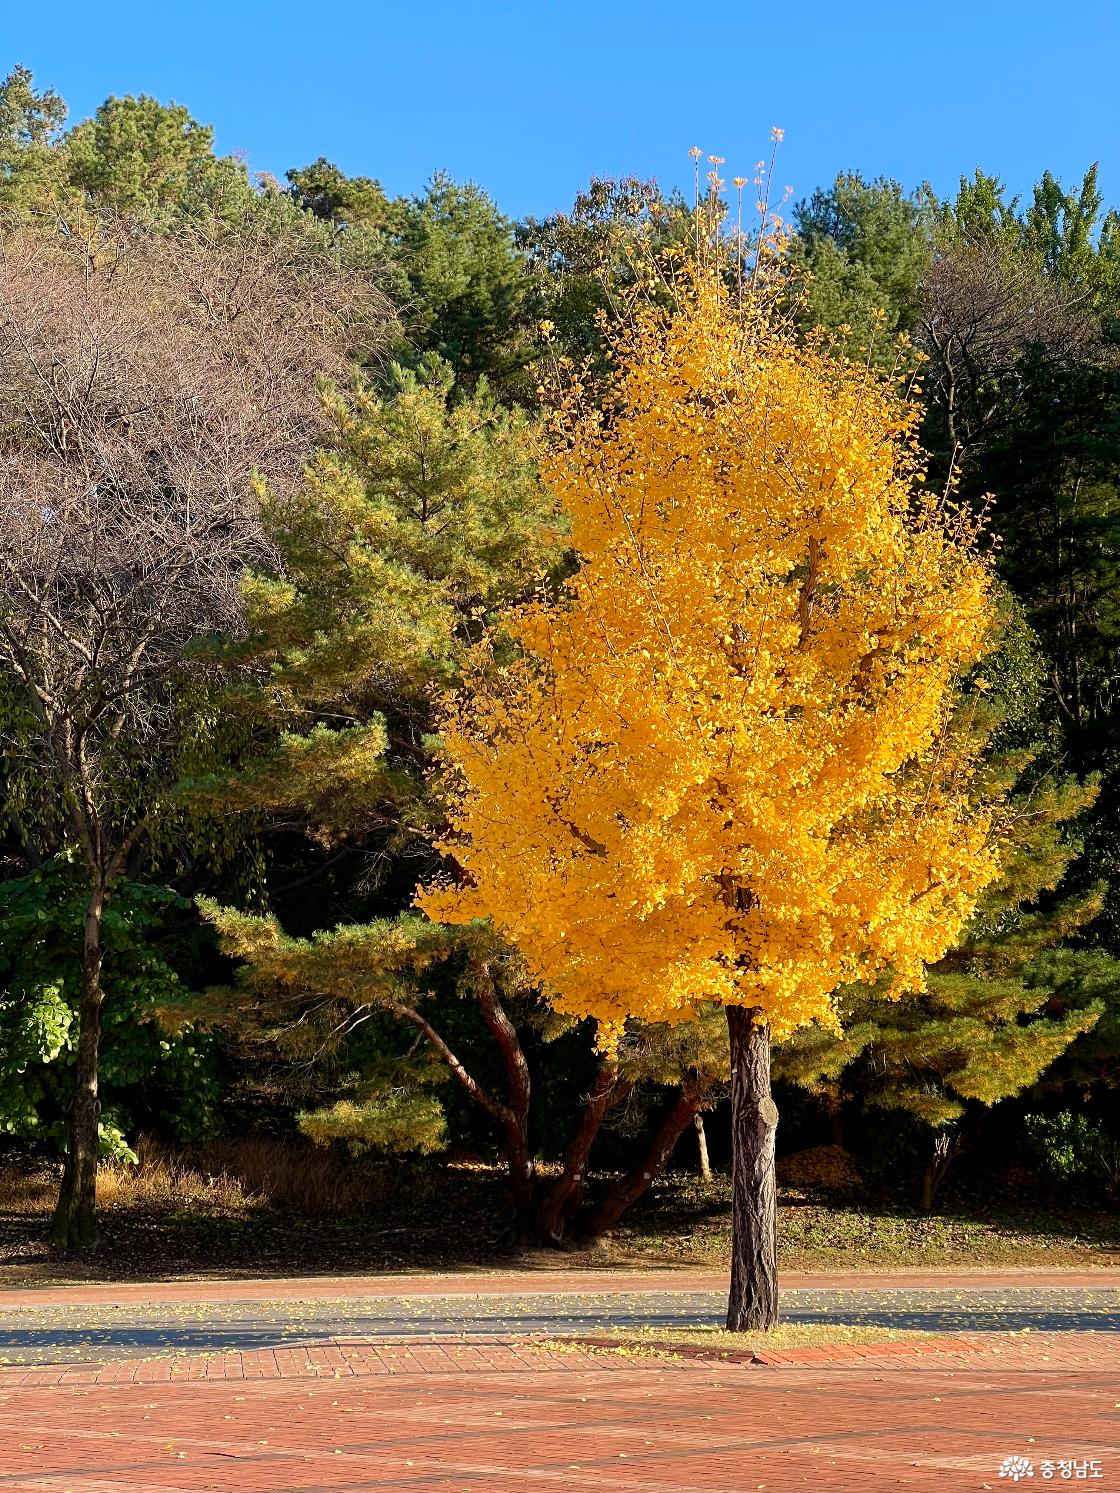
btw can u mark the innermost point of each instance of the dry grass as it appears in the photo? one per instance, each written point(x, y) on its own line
point(265, 1205)
point(27, 1192)
point(296, 1176)
point(167, 1184)
point(223, 1179)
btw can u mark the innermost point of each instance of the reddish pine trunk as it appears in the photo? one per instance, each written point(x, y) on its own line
point(608, 1089)
point(631, 1187)
point(753, 1302)
point(512, 1118)
point(515, 1121)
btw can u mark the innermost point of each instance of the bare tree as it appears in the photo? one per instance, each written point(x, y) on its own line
point(144, 382)
point(985, 309)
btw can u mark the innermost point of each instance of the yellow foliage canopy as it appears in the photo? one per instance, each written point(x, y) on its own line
point(722, 766)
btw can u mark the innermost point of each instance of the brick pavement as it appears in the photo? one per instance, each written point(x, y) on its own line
point(494, 1416)
point(486, 1414)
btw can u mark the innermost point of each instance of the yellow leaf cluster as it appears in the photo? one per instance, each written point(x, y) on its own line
point(722, 765)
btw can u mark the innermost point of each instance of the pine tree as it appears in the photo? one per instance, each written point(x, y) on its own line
point(866, 246)
point(988, 1023)
point(470, 299)
point(422, 515)
point(461, 279)
point(31, 165)
point(138, 156)
point(353, 202)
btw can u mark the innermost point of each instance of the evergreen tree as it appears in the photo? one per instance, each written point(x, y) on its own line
point(462, 282)
point(1041, 341)
point(136, 155)
point(586, 262)
point(354, 202)
point(865, 246)
point(30, 163)
point(990, 1022)
point(469, 286)
point(1017, 305)
point(422, 516)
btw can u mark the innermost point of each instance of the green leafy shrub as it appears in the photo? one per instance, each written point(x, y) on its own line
point(1074, 1149)
point(162, 1076)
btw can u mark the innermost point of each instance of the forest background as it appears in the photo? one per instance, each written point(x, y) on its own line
point(263, 800)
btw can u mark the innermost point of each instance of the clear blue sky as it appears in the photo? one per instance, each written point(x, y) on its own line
point(532, 99)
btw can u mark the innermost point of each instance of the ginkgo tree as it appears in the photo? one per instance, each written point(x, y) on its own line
point(727, 763)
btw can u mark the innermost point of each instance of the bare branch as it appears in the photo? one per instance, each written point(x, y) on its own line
point(145, 383)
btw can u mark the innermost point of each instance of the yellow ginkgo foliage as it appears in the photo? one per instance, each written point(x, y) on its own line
point(723, 765)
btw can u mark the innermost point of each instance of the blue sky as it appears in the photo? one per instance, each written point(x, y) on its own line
point(532, 99)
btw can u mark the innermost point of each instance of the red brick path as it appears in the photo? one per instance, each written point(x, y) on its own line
point(493, 1417)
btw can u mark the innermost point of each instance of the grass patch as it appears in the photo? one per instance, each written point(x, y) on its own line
point(686, 1222)
point(264, 1206)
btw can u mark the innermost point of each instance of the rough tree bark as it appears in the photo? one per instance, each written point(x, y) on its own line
point(608, 1090)
point(74, 1225)
point(678, 1118)
point(753, 1301)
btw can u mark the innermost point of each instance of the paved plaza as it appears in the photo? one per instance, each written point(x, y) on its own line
point(459, 1382)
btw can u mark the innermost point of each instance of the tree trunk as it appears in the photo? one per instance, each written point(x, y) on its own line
point(513, 1118)
point(74, 1225)
point(702, 1147)
point(608, 1090)
point(519, 1164)
point(835, 1107)
point(607, 1213)
point(929, 1185)
point(753, 1302)
point(519, 1159)
point(945, 1149)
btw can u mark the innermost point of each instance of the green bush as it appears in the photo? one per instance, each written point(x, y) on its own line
point(1074, 1149)
point(163, 1079)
